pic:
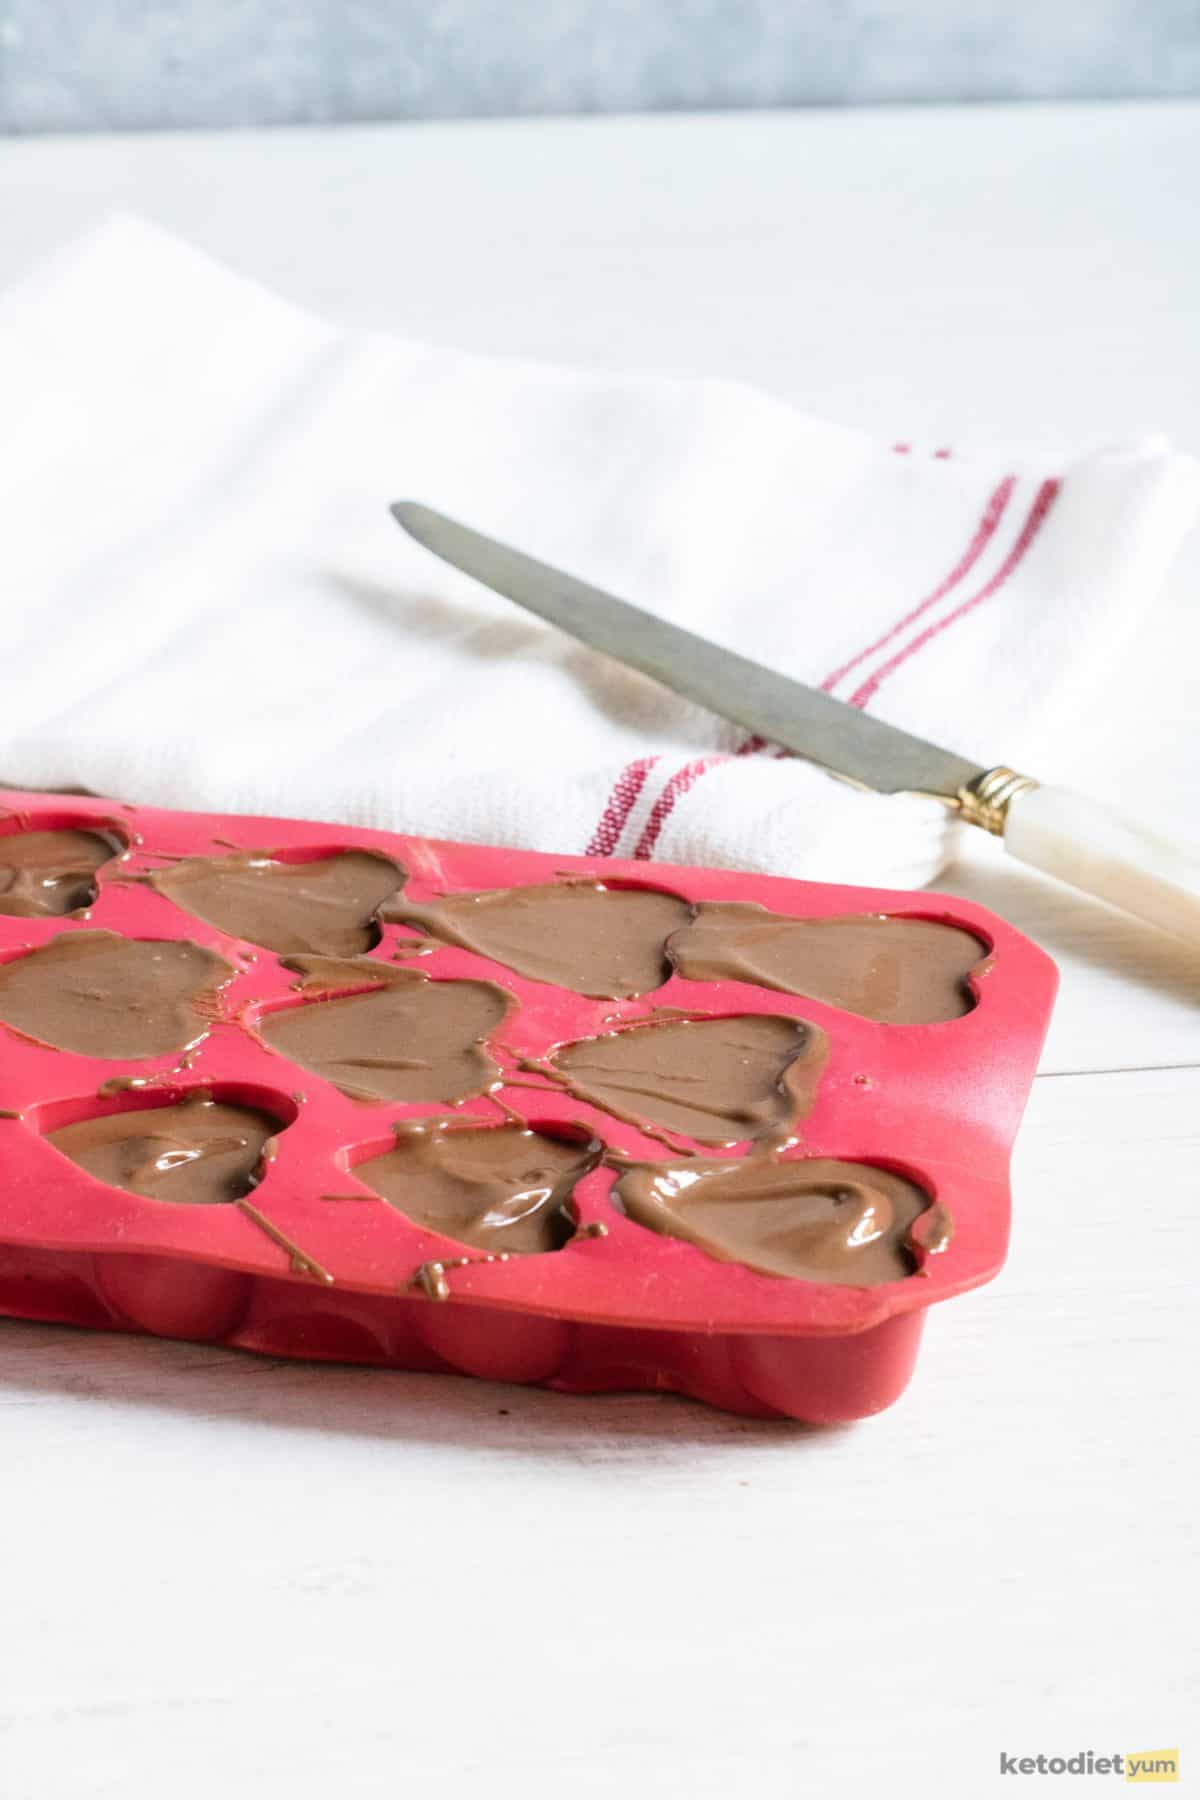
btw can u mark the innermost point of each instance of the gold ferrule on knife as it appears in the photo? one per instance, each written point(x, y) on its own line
point(986, 800)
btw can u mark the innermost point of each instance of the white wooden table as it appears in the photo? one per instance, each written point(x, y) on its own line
point(228, 1577)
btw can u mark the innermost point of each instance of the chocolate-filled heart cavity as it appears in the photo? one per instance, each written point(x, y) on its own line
point(605, 942)
point(809, 1218)
point(718, 1081)
point(410, 1039)
point(45, 874)
point(898, 971)
point(503, 1189)
point(193, 1152)
point(326, 905)
point(100, 994)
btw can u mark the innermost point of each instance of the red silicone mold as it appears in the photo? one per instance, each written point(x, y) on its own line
point(629, 1309)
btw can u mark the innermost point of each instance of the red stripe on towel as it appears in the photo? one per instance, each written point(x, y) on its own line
point(632, 780)
point(664, 806)
point(984, 532)
point(621, 802)
point(1042, 503)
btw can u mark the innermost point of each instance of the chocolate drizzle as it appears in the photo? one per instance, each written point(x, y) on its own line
point(809, 1219)
point(99, 994)
point(194, 1152)
point(300, 1261)
point(607, 943)
point(715, 1080)
point(45, 874)
point(412, 1039)
point(325, 906)
point(897, 971)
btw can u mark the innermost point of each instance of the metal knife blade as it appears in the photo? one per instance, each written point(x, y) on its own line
point(839, 738)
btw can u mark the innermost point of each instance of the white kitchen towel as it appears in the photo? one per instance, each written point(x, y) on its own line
point(207, 605)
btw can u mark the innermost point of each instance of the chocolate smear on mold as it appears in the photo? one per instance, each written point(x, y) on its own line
point(99, 994)
point(896, 971)
point(604, 942)
point(194, 1152)
point(301, 1262)
point(499, 1188)
point(510, 1113)
point(934, 1230)
point(410, 1039)
point(326, 906)
point(130, 1084)
point(46, 874)
point(808, 1219)
point(331, 974)
point(431, 1279)
point(715, 1080)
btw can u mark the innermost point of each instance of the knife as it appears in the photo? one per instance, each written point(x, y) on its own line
point(1051, 828)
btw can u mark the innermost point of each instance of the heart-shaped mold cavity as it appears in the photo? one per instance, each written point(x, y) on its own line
point(502, 1189)
point(50, 872)
point(603, 941)
point(411, 1039)
point(332, 1335)
point(715, 1080)
point(189, 1151)
point(100, 994)
point(324, 904)
point(807, 1218)
point(898, 971)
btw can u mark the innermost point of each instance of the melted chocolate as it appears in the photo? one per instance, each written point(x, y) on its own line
point(810, 1220)
point(719, 1081)
point(326, 906)
point(197, 1152)
point(412, 1039)
point(499, 1188)
point(100, 994)
point(898, 971)
point(44, 874)
point(607, 943)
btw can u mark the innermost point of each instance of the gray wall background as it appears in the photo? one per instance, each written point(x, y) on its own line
point(70, 65)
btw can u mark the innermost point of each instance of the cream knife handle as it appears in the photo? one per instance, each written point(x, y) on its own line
point(1067, 835)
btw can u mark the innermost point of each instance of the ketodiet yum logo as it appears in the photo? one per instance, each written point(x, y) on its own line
point(1127, 1765)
